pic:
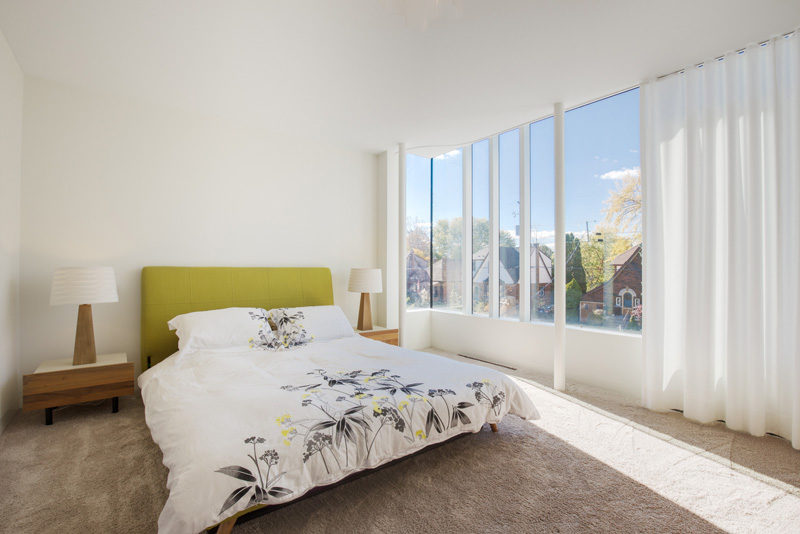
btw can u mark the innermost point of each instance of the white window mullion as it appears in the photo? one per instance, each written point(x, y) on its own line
point(494, 228)
point(559, 291)
point(466, 229)
point(524, 224)
point(401, 234)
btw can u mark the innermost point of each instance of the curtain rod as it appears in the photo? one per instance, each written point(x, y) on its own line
point(722, 57)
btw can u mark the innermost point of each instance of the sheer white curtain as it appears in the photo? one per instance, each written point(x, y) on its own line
point(721, 179)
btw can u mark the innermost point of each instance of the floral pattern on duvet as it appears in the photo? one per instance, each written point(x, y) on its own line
point(261, 484)
point(353, 408)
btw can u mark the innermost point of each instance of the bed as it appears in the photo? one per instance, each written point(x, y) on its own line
point(242, 430)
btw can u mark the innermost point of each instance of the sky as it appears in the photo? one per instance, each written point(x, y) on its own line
point(601, 143)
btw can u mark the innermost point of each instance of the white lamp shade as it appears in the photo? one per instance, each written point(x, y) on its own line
point(365, 281)
point(83, 285)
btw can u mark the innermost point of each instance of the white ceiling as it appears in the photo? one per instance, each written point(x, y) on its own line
point(354, 72)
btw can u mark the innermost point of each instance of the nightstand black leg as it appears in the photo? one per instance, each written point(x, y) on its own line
point(114, 404)
point(48, 416)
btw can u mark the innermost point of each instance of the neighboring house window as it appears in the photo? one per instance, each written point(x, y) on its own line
point(508, 210)
point(481, 254)
point(446, 200)
point(603, 213)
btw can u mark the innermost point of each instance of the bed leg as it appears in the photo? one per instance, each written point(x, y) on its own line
point(226, 527)
point(493, 426)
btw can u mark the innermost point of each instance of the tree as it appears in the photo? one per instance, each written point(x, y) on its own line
point(574, 262)
point(480, 235)
point(418, 239)
point(507, 239)
point(623, 207)
point(547, 251)
point(594, 261)
point(573, 299)
point(597, 254)
point(447, 238)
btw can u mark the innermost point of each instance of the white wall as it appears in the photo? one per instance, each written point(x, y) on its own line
point(117, 182)
point(418, 329)
point(594, 357)
point(386, 304)
point(11, 83)
point(605, 359)
point(524, 346)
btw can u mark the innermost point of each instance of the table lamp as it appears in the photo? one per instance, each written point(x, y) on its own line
point(365, 281)
point(84, 286)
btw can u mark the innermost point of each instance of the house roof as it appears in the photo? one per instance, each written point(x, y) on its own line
point(623, 258)
point(482, 273)
point(447, 270)
point(417, 268)
point(545, 267)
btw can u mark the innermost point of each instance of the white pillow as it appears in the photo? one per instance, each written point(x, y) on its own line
point(228, 328)
point(297, 326)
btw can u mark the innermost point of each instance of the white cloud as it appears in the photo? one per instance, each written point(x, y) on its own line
point(451, 154)
point(620, 174)
point(542, 234)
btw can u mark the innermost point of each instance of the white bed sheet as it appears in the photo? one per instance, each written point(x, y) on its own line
point(264, 427)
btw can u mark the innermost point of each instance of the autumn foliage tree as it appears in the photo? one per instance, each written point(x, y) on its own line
point(418, 239)
point(620, 229)
point(623, 207)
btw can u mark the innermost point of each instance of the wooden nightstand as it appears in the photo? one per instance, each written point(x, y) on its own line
point(379, 333)
point(58, 383)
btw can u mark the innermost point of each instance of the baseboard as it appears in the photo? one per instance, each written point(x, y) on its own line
point(7, 417)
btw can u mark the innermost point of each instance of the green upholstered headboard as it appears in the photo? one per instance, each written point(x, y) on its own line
point(171, 291)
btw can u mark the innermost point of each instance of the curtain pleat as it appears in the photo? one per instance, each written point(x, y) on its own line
point(721, 188)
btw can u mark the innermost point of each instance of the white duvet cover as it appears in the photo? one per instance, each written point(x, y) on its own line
point(239, 429)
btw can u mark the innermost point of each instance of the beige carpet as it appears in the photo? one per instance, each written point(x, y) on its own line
point(603, 467)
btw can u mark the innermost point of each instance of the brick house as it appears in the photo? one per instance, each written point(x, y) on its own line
point(621, 293)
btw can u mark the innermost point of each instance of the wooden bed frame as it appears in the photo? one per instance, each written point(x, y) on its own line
point(171, 291)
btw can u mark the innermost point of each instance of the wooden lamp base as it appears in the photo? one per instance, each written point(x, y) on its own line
point(84, 337)
point(364, 313)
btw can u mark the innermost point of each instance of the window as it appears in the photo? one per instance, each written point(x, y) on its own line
point(603, 213)
point(418, 231)
point(543, 234)
point(446, 199)
point(603, 286)
point(481, 253)
point(508, 210)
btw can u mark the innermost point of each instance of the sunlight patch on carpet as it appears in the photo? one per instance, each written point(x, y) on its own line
point(730, 496)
